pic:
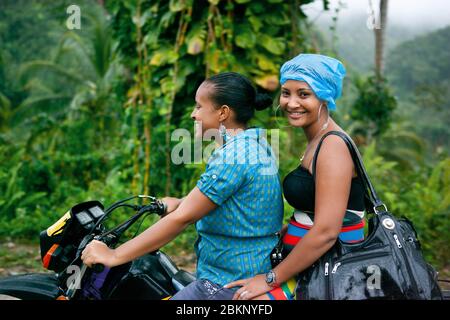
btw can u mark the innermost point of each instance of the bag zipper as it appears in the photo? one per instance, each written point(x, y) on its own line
point(335, 267)
point(327, 282)
point(329, 293)
point(371, 255)
point(399, 245)
point(408, 267)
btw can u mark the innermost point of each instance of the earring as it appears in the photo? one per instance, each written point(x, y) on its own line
point(320, 109)
point(277, 108)
point(222, 131)
point(279, 123)
point(325, 125)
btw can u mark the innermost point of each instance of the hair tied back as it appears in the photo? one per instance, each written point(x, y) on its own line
point(262, 101)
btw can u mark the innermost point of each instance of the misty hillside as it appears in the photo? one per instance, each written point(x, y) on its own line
point(355, 42)
point(422, 61)
point(419, 72)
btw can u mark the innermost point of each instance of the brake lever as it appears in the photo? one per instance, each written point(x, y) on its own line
point(109, 238)
point(161, 207)
point(86, 240)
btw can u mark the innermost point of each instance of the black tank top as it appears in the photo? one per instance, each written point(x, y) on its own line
point(299, 191)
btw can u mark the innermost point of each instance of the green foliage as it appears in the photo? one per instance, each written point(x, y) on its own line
point(422, 60)
point(426, 202)
point(419, 70)
point(423, 196)
point(171, 47)
point(86, 114)
point(401, 144)
point(374, 105)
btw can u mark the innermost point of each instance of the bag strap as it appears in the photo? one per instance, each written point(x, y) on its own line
point(369, 190)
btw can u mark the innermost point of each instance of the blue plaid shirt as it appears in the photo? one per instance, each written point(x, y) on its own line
point(235, 240)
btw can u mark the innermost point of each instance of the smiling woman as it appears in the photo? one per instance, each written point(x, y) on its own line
point(327, 197)
point(300, 103)
point(237, 228)
point(290, 92)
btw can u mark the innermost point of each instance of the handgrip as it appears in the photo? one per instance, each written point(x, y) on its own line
point(98, 267)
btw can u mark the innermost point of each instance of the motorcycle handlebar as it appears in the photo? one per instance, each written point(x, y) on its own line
point(157, 207)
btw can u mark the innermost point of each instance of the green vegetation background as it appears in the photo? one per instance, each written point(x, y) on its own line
point(87, 114)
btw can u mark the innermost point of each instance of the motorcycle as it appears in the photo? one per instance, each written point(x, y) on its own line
point(153, 276)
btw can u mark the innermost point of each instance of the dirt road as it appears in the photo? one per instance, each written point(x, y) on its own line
point(18, 258)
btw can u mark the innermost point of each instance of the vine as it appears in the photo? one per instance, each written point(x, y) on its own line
point(182, 37)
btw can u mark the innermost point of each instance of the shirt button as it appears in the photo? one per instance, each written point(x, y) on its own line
point(214, 176)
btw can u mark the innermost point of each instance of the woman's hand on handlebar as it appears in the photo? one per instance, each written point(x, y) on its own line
point(97, 252)
point(172, 204)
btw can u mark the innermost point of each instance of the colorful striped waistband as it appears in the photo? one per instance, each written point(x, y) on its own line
point(296, 231)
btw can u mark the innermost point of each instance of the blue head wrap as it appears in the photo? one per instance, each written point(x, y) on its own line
point(323, 74)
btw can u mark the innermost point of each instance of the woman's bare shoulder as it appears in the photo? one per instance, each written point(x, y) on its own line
point(334, 153)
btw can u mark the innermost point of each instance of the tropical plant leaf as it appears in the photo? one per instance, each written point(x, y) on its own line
point(48, 66)
point(273, 45)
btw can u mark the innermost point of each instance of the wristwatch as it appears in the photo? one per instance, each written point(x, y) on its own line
point(271, 279)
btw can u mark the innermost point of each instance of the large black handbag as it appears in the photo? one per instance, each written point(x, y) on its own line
point(388, 264)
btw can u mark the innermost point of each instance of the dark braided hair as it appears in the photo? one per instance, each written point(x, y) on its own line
point(237, 92)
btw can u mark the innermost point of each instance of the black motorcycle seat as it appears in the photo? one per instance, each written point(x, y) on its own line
point(182, 278)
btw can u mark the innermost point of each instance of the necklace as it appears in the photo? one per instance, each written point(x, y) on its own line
point(312, 140)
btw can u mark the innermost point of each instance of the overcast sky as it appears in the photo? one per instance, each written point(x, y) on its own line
point(409, 13)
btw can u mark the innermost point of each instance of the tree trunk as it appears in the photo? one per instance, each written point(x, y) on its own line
point(181, 33)
point(379, 39)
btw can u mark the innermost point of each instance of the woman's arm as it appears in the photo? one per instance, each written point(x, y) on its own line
point(194, 207)
point(172, 204)
point(334, 172)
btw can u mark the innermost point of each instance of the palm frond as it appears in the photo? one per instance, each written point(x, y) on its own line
point(41, 65)
point(37, 104)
